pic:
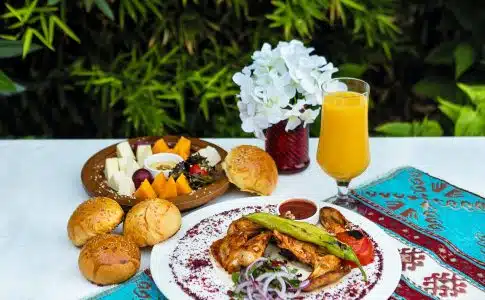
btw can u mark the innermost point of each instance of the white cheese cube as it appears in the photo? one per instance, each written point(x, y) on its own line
point(211, 155)
point(114, 180)
point(142, 152)
point(126, 186)
point(123, 149)
point(110, 167)
point(123, 163)
point(131, 167)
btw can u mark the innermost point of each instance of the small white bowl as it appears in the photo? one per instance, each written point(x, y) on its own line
point(313, 219)
point(161, 157)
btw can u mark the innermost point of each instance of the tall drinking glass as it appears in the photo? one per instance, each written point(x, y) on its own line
point(343, 147)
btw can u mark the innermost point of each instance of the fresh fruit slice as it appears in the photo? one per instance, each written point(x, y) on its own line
point(158, 184)
point(182, 147)
point(170, 190)
point(183, 187)
point(160, 146)
point(145, 191)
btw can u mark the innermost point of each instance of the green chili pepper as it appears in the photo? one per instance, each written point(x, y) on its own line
point(308, 233)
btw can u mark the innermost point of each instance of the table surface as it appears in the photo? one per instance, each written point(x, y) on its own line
point(41, 187)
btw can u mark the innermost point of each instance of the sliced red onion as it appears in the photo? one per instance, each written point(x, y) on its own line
point(242, 286)
point(257, 261)
point(258, 288)
point(304, 284)
point(282, 284)
point(250, 292)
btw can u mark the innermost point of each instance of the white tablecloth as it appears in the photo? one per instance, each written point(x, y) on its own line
point(41, 186)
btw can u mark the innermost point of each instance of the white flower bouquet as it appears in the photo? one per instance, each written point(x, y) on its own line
point(283, 83)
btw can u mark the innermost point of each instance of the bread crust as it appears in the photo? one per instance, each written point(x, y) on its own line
point(251, 169)
point(152, 221)
point(98, 215)
point(109, 259)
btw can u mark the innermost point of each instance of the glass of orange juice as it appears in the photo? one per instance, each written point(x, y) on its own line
point(343, 147)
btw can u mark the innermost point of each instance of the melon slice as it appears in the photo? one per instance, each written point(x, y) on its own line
point(145, 191)
point(170, 190)
point(160, 146)
point(159, 183)
point(183, 187)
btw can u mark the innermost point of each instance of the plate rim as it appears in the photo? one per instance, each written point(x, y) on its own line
point(388, 282)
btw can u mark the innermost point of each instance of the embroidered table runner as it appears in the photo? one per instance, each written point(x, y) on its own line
point(438, 228)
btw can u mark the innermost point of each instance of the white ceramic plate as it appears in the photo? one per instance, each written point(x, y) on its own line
point(184, 261)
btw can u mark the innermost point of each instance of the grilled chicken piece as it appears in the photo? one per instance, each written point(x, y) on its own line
point(236, 250)
point(248, 253)
point(305, 252)
point(327, 278)
point(327, 268)
point(244, 225)
point(332, 220)
point(222, 248)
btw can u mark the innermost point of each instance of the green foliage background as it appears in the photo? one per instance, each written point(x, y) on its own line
point(113, 68)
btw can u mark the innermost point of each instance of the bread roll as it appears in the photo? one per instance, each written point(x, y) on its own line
point(109, 259)
point(251, 169)
point(152, 221)
point(93, 217)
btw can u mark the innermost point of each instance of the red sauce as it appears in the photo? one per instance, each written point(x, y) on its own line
point(300, 208)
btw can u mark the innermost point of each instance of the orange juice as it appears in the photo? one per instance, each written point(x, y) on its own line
point(343, 149)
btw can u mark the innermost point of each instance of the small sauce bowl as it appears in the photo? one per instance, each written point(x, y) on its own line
point(161, 158)
point(303, 210)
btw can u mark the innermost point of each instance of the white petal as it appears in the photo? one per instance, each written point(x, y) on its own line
point(248, 125)
point(293, 122)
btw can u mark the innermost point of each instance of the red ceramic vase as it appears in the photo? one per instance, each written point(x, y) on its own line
point(288, 149)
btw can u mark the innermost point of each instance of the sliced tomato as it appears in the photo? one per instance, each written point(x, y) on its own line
point(361, 245)
point(196, 169)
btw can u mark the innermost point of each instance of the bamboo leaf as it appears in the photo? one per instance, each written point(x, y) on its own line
point(6, 85)
point(476, 93)
point(13, 13)
point(464, 55)
point(9, 37)
point(27, 42)
point(64, 27)
point(45, 30)
point(42, 39)
point(354, 5)
point(15, 48)
point(29, 11)
point(105, 8)
point(398, 129)
point(451, 110)
point(53, 2)
point(469, 123)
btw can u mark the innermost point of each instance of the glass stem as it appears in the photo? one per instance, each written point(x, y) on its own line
point(343, 189)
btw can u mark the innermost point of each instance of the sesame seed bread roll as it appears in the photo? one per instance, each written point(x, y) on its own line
point(251, 169)
point(152, 221)
point(109, 259)
point(93, 217)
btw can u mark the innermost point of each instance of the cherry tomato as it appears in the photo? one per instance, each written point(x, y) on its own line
point(196, 169)
point(361, 245)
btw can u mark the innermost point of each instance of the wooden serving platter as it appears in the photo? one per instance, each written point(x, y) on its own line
point(95, 183)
